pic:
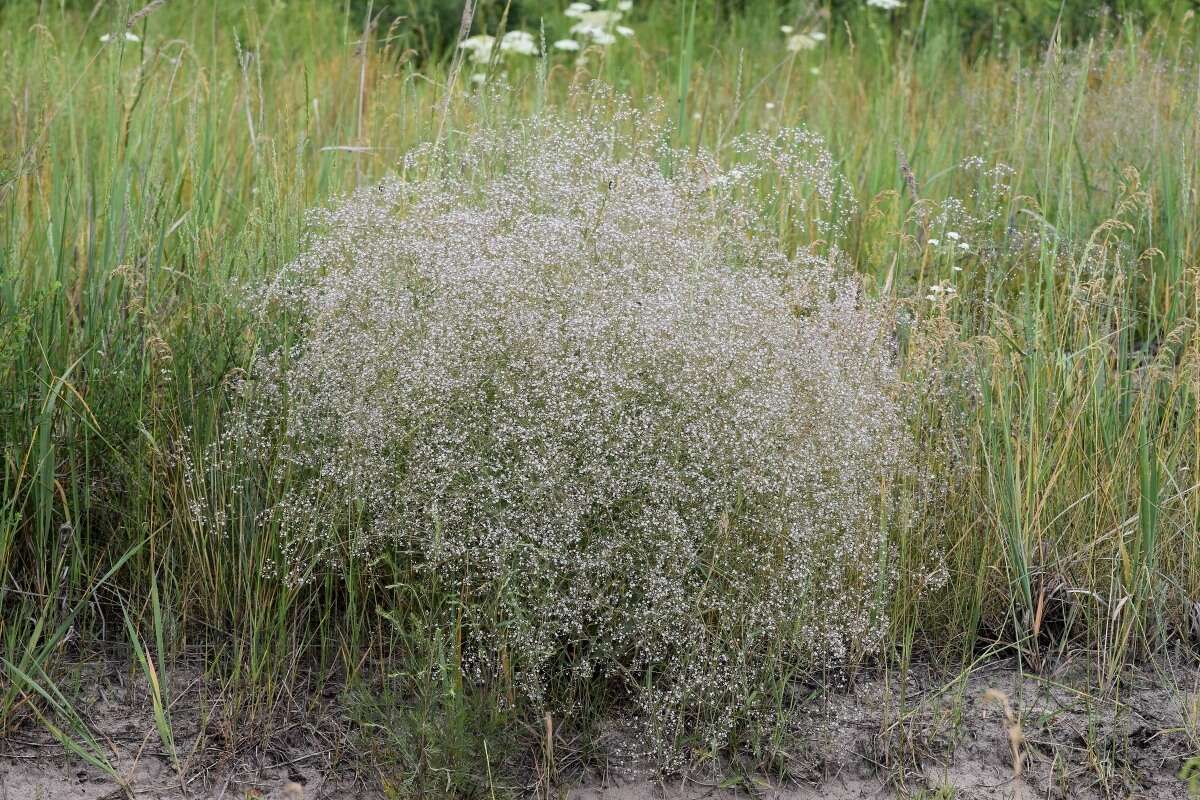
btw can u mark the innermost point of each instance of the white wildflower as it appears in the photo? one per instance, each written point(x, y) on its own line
point(577, 9)
point(886, 5)
point(479, 46)
point(786, 29)
point(130, 36)
point(603, 38)
point(801, 41)
point(566, 44)
point(520, 42)
point(597, 25)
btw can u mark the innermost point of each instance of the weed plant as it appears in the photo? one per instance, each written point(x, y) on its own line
point(599, 405)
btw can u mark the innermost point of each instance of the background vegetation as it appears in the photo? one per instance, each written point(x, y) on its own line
point(144, 179)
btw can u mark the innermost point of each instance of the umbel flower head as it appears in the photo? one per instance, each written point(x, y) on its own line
point(480, 46)
point(595, 27)
point(595, 397)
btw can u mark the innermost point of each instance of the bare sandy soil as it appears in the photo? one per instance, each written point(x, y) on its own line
point(950, 738)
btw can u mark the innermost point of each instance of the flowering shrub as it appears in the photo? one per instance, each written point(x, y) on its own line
point(598, 400)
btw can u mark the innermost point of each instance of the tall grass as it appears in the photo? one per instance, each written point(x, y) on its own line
point(142, 183)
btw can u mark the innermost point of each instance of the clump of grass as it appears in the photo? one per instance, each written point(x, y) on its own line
point(597, 402)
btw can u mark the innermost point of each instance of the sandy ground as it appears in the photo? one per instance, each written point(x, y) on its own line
point(942, 739)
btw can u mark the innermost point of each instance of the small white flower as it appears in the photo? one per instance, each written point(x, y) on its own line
point(520, 42)
point(625, 31)
point(964, 246)
point(886, 5)
point(577, 9)
point(787, 28)
point(953, 235)
point(957, 269)
point(934, 242)
point(770, 106)
point(625, 5)
point(597, 25)
point(817, 36)
point(478, 77)
point(566, 44)
point(131, 37)
point(480, 41)
point(801, 41)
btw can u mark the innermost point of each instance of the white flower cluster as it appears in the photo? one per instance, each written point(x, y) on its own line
point(129, 36)
point(954, 242)
point(600, 403)
point(886, 5)
point(481, 46)
point(797, 42)
point(941, 292)
point(595, 26)
point(484, 48)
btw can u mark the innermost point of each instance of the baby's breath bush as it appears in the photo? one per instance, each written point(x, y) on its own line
point(568, 373)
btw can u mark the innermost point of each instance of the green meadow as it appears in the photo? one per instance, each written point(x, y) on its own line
point(1015, 186)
